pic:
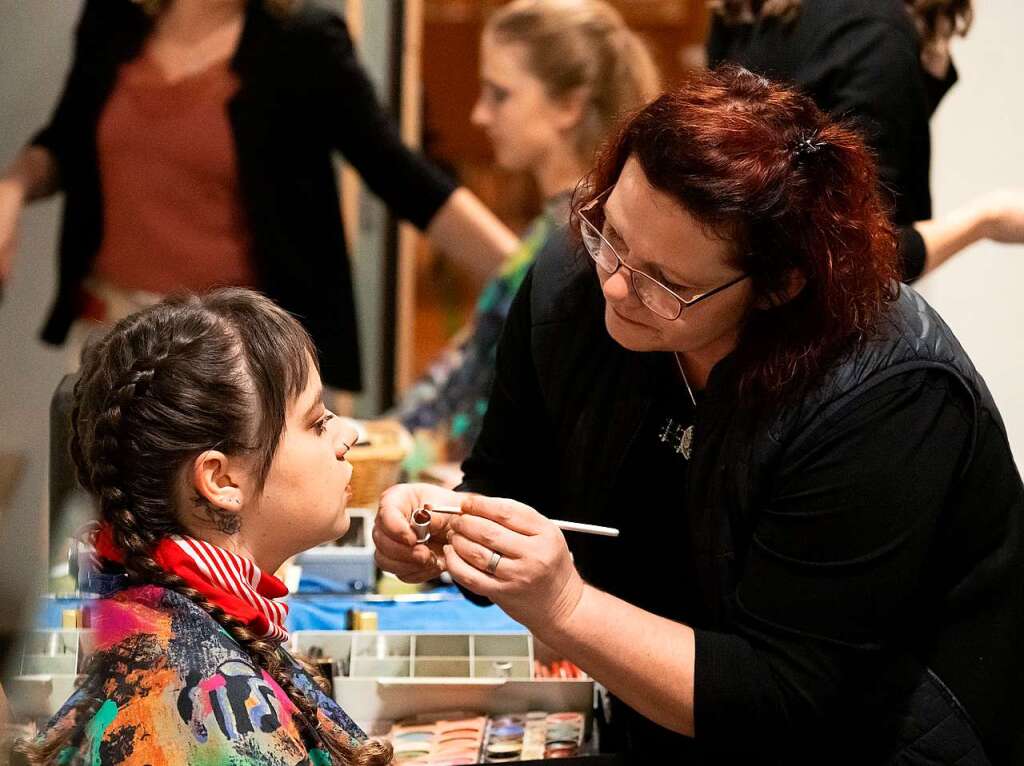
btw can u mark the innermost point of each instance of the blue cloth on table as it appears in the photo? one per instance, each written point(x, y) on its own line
point(312, 610)
point(315, 607)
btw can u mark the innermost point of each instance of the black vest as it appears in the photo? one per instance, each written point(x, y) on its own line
point(596, 394)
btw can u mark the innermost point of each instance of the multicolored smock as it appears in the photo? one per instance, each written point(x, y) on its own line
point(175, 688)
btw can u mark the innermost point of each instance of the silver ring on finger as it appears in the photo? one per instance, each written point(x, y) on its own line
point(492, 565)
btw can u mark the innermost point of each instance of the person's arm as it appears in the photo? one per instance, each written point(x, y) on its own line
point(832, 570)
point(411, 186)
point(467, 230)
point(998, 216)
point(31, 176)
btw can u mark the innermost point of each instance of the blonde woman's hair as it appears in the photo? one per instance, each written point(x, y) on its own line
point(581, 44)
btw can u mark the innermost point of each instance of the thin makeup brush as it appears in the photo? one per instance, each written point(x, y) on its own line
point(567, 526)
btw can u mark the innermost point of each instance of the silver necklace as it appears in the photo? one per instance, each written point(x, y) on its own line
point(675, 433)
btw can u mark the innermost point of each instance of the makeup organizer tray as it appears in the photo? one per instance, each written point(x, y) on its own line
point(385, 676)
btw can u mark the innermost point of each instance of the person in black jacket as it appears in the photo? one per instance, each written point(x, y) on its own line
point(821, 520)
point(255, 185)
point(886, 65)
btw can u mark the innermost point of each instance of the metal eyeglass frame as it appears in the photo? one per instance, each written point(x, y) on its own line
point(636, 274)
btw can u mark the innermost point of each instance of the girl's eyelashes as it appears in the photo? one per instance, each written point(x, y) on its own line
point(321, 425)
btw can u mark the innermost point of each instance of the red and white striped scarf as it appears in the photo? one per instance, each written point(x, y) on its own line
point(228, 580)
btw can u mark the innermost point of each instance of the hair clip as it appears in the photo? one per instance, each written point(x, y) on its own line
point(808, 144)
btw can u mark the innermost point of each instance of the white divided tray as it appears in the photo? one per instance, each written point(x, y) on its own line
point(388, 676)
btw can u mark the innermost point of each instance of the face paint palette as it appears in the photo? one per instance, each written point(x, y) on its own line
point(536, 735)
point(503, 738)
point(413, 677)
point(444, 742)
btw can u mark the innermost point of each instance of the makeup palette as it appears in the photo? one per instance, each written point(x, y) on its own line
point(534, 736)
point(383, 677)
point(505, 738)
point(445, 742)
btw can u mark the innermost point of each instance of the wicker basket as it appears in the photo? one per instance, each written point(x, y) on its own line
point(377, 465)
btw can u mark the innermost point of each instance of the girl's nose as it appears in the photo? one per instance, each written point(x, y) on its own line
point(346, 437)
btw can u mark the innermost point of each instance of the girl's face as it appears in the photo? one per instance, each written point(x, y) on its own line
point(523, 124)
point(304, 498)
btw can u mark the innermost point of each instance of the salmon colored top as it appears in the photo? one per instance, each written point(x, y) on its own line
point(172, 210)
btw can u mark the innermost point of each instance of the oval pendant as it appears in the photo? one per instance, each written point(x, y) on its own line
point(686, 443)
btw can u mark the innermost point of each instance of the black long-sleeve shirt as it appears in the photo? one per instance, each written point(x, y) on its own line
point(851, 546)
point(858, 59)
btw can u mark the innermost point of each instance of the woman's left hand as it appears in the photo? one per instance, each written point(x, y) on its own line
point(532, 578)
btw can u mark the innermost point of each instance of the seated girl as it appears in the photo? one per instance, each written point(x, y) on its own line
point(199, 427)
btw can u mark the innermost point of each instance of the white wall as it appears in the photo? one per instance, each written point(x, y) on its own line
point(35, 50)
point(978, 145)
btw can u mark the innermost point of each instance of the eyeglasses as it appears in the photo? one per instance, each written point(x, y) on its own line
point(662, 300)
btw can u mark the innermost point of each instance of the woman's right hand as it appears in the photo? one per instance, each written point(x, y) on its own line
point(12, 200)
point(397, 549)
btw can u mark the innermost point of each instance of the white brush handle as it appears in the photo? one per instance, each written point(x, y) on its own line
point(567, 526)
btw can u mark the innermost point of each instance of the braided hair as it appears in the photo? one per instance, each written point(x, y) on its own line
point(186, 375)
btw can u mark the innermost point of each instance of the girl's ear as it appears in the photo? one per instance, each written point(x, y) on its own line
point(216, 484)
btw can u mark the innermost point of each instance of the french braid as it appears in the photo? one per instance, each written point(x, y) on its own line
point(131, 469)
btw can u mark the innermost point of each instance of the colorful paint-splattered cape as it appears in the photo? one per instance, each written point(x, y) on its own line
point(175, 688)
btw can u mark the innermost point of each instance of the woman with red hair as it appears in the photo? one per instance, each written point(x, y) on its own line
point(820, 517)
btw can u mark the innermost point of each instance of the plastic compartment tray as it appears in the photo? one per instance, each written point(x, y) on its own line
point(391, 675)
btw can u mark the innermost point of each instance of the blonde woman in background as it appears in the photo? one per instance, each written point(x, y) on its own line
point(555, 76)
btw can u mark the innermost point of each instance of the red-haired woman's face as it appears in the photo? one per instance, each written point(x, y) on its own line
point(655, 234)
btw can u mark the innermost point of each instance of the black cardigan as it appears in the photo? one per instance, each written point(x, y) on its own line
point(858, 59)
point(826, 608)
point(303, 95)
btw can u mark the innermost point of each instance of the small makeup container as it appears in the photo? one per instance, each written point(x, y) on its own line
point(420, 522)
